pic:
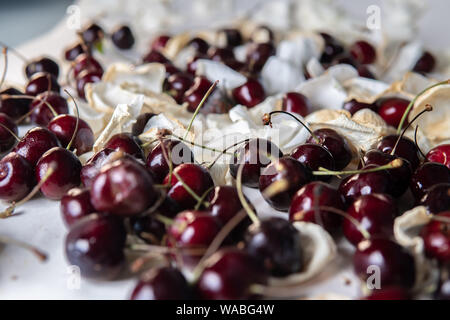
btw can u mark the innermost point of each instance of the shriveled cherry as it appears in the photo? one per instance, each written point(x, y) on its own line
point(428, 175)
point(297, 103)
point(41, 82)
point(436, 238)
point(392, 110)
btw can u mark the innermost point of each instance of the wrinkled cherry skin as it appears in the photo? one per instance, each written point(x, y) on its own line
point(250, 93)
point(43, 64)
point(193, 175)
point(141, 122)
point(277, 244)
point(436, 238)
point(160, 42)
point(443, 289)
point(93, 166)
point(63, 126)
point(66, 175)
point(304, 202)
point(353, 106)
point(258, 54)
point(229, 276)
point(440, 154)
point(254, 157)
point(7, 140)
point(35, 143)
point(123, 37)
point(13, 107)
point(75, 205)
point(437, 198)
point(314, 156)
point(127, 143)
point(155, 56)
point(95, 244)
point(363, 52)
point(332, 48)
point(392, 110)
point(375, 213)
point(149, 229)
point(42, 114)
point(425, 64)
point(16, 177)
point(406, 149)
point(428, 175)
point(165, 283)
point(297, 103)
point(175, 150)
point(397, 266)
point(41, 82)
point(86, 62)
point(389, 293)
point(123, 188)
point(84, 78)
point(336, 144)
point(287, 169)
point(74, 51)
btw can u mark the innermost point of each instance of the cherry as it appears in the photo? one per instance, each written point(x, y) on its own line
point(160, 42)
point(191, 66)
point(92, 33)
point(363, 52)
point(437, 198)
point(86, 62)
point(123, 188)
point(425, 64)
point(95, 244)
point(127, 143)
point(174, 150)
point(74, 51)
point(7, 140)
point(231, 37)
point(396, 265)
point(353, 106)
point(296, 102)
point(43, 64)
point(314, 156)
point(392, 110)
point(406, 149)
point(389, 293)
point(428, 175)
point(177, 84)
point(75, 205)
point(277, 244)
point(230, 275)
point(220, 54)
point(440, 154)
point(41, 82)
point(290, 174)
point(305, 205)
point(196, 92)
point(375, 213)
point(84, 78)
point(443, 288)
point(16, 177)
point(200, 45)
point(170, 69)
point(155, 56)
point(195, 177)
point(258, 54)
point(254, 155)
point(41, 114)
point(436, 238)
point(66, 175)
point(164, 283)
point(123, 37)
point(141, 122)
point(365, 72)
point(250, 93)
point(13, 107)
point(93, 166)
point(332, 48)
point(35, 143)
point(149, 229)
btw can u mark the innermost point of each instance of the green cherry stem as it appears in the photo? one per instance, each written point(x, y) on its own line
point(241, 196)
point(396, 163)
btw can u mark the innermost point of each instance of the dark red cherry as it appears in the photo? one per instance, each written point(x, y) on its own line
point(250, 93)
point(336, 144)
point(425, 64)
point(406, 149)
point(43, 64)
point(41, 82)
point(175, 150)
point(93, 166)
point(177, 84)
point(200, 45)
point(155, 56)
point(195, 177)
point(141, 122)
point(86, 77)
point(254, 155)
point(389, 293)
point(375, 213)
point(218, 102)
point(396, 265)
point(258, 54)
point(392, 110)
point(314, 156)
point(149, 229)
point(230, 275)
point(191, 66)
point(365, 72)
point(363, 52)
point(443, 287)
point(171, 69)
point(291, 174)
point(75, 205)
point(277, 244)
point(92, 34)
point(63, 126)
point(196, 92)
point(428, 175)
point(160, 42)
point(35, 143)
point(65, 176)
point(86, 62)
point(127, 143)
point(220, 54)
point(123, 37)
point(230, 37)
point(437, 198)
point(297, 103)
point(13, 107)
point(123, 188)
point(303, 206)
point(95, 244)
point(16, 177)
point(165, 283)
point(436, 238)
point(440, 154)
point(332, 48)
point(42, 114)
point(74, 51)
point(353, 106)
point(7, 140)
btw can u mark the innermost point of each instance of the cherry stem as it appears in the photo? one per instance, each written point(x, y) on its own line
point(197, 144)
point(75, 132)
point(440, 218)
point(10, 132)
point(275, 188)
point(203, 197)
point(411, 104)
point(241, 196)
point(38, 253)
point(210, 90)
point(163, 219)
point(168, 160)
point(24, 96)
point(267, 120)
point(224, 151)
point(5, 70)
point(15, 52)
point(417, 145)
point(396, 163)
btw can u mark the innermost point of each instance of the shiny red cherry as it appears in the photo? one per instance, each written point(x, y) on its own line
point(440, 154)
point(74, 51)
point(177, 84)
point(86, 77)
point(123, 37)
point(7, 140)
point(86, 62)
point(155, 56)
point(437, 198)
point(160, 42)
point(35, 143)
point(127, 143)
point(392, 110)
point(428, 175)
point(425, 64)
point(258, 54)
point(436, 238)
point(92, 33)
point(196, 92)
point(16, 177)
point(13, 107)
point(363, 52)
point(41, 114)
point(43, 64)
point(93, 166)
point(41, 82)
point(75, 205)
point(353, 106)
point(406, 149)
point(314, 156)
point(297, 103)
point(250, 93)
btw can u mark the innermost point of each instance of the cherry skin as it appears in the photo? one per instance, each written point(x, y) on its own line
point(74, 51)
point(66, 175)
point(75, 205)
point(277, 244)
point(63, 126)
point(123, 37)
point(425, 64)
point(437, 198)
point(250, 93)
point(231, 37)
point(297, 103)
point(7, 140)
point(43, 64)
point(314, 156)
point(440, 154)
point(253, 155)
point(200, 45)
point(389, 293)
point(392, 110)
point(395, 263)
point(284, 170)
point(92, 34)
point(375, 213)
point(16, 177)
point(160, 42)
point(363, 52)
point(353, 106)
point(258, 54)
point(229, 276)
point(84, 78)
point(86, 62)
point(332, 48)
point(155, 56)
point(123, 188)
point(195, 176)
point(196, 92)
point(141, 122)
point(41, 82)
point(13, 107)
point(149, 229)
point(127, 143)
point(405, 149)
point(436, 238)
point(177, 84)
point(428, 175)
point(35, 143)
point(93, 166)
point(95, 244)
point(164, 283)
point(42, 114)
